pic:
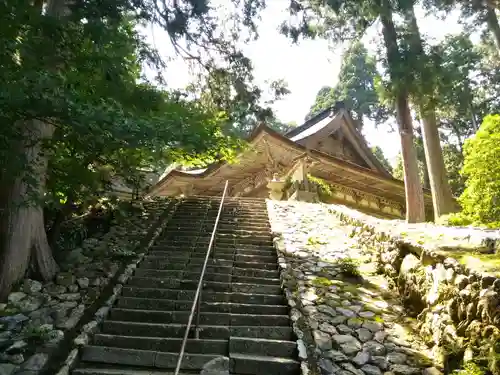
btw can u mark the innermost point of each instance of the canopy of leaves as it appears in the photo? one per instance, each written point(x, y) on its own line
point(481, 198)
point(356, 87)
point(82, 74)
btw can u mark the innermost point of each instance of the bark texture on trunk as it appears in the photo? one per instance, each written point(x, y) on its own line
point(442, 197)
point(415, 209)
point(25, 241)
point(492, 21)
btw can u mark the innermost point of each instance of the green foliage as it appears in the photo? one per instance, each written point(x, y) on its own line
point(349, 266)
point(481, 198)
point(454, 220)
point(453, 160)
point(470, 368)
point(324, 188)
point(36, 334)
point(379, 154)
point(356, 87)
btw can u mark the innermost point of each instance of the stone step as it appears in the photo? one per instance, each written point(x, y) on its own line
point(243, 226)
point(220, 238)
point(166, 305)
point(147, 358)
point(250, 364)
point(160, 250)
point(162, 344)
point(236, 232)
point(215, 268)
point(188, 295)
point(206, 318)
point(195, 255)
point(179, 263)
point(103, 369)
point(208, 286)
point(272, 348)
point(112, 327)
point(188, 242)
point(223, 247)
point(152, 261)
point(209, 276)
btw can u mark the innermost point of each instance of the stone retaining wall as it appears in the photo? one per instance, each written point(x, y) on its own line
point(346, 322)
point(457, 307)
point(37, 318)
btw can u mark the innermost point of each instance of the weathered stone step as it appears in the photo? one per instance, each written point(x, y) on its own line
point(151, 261)
point(235, 231)
point(158, 250)
point(272, 348)
point(162, 344)
point(103, 369)
point(249, 364)
point(147, 358)
point(215, 286)
point(191, 255)
point(273, 274)
point(127, 328)
point(206, 318)
point(161, 263)
point(227, 247)
point(243, 226)
point(209, 276)
point(166, 304)
point(187, 242)
point(219, 237)
point(251, 298)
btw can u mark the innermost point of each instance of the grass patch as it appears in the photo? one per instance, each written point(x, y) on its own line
point(349, 267)
point(37, 334)
point(322, 282)
point(480, 262)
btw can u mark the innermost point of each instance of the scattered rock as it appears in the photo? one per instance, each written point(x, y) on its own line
point(361, 358)
point(32, 286)
point(371, 370)
point(83, 282)
point(35, 362)
point(7, 368)
point(29, 304)
point(65, 279)
point(217, 366)
point(301, 347)
point(364, 334)
point(322, 340)
point(15, 297)
point(405, 370)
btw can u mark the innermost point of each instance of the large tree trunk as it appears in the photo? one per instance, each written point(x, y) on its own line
point(25, 241)
point(492, 21)
point(415, 209)
point(442, 197)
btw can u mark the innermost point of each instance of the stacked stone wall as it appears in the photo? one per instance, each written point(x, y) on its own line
point(457, 307)
point(39, 321)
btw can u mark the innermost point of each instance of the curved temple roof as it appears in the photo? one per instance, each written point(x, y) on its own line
point(268, 147)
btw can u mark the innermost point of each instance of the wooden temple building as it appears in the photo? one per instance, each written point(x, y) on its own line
point(326, 148)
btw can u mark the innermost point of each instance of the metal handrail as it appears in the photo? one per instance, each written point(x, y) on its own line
point(197, 295)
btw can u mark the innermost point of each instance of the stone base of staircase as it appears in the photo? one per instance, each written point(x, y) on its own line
point(244, 315)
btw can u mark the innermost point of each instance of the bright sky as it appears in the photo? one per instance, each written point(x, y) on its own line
point(305, 67)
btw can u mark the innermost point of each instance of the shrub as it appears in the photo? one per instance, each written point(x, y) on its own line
point(481, 198)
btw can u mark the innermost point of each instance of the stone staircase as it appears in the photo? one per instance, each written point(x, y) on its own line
point(244, 315)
